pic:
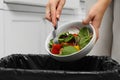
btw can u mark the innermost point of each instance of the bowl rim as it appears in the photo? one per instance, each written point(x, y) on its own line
point(94, 34)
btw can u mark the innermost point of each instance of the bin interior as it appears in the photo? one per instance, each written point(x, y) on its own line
point(45, 62)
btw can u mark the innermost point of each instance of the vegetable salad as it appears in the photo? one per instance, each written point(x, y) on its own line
point(69, 43)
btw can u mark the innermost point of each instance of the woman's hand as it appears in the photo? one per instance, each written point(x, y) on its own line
point(96, 13)
point(53, 10)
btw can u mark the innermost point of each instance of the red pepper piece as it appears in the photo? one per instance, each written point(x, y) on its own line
point(75, 35)
point(56, 48)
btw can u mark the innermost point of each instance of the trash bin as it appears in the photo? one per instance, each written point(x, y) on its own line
point(43, 67)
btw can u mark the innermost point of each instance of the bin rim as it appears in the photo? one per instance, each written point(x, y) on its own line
point(59, 71)
point(116, 70)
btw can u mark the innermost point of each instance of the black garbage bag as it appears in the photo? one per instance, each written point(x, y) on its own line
point(43, 67)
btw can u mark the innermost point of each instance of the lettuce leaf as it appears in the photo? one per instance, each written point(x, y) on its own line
point(85, 37)
point(65, 37)
point(68, 50)
point(51, 43)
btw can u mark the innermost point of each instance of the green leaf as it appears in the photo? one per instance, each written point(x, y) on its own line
point(61, 40)
point(62, 37)
point(68, 50)
point(84, 41)
point(84, 32)
point(51, 43)
point(69, 38)
point(65, 37)
point(85, 37)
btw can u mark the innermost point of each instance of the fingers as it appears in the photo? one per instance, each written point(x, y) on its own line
point(48, 15)
point(96, 24)
point(53, 10)
point(96, 31)
point(59, 8)
point(53, 13)
point(88, 19)
point(95, 21)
